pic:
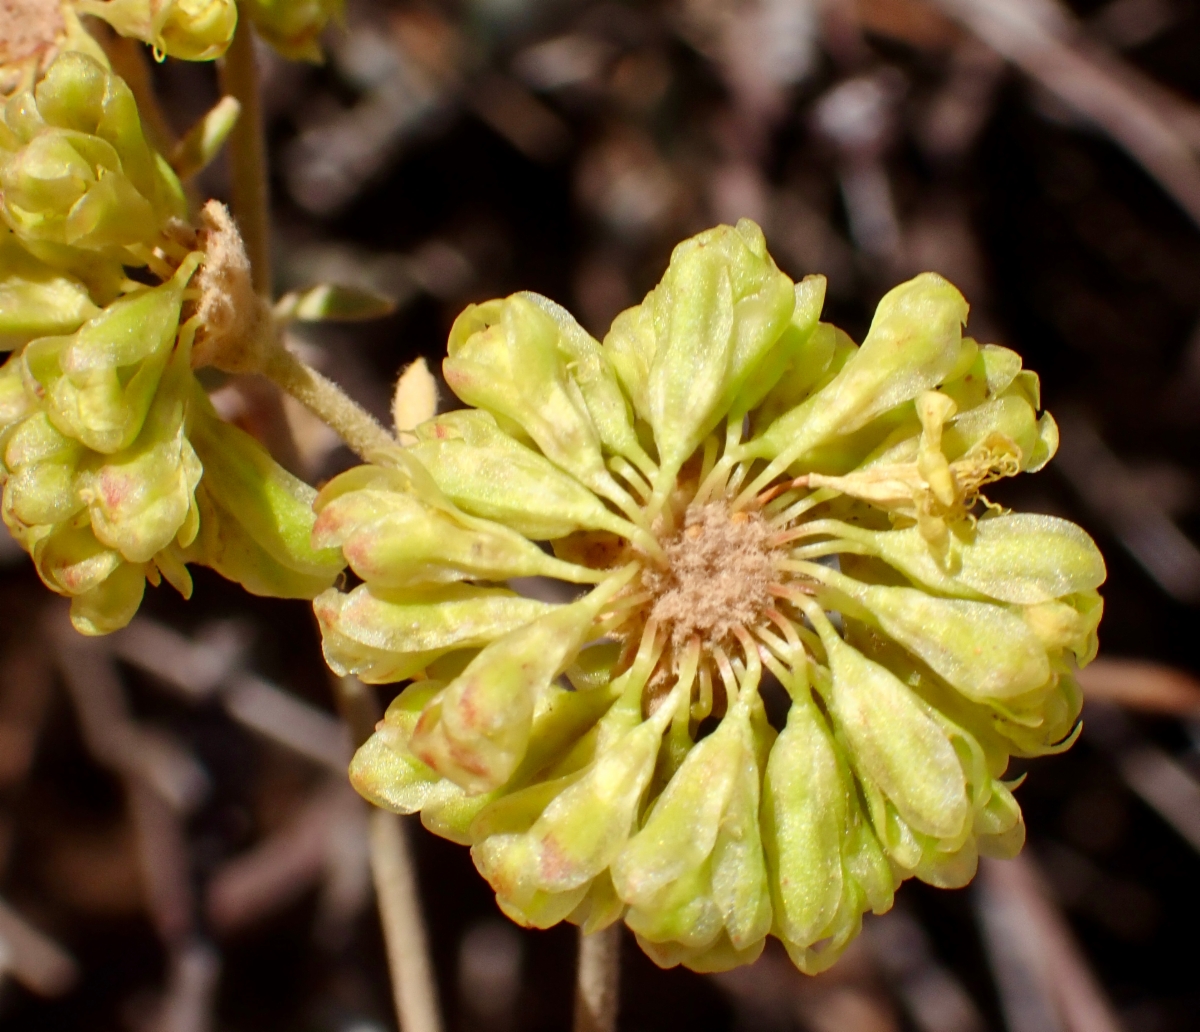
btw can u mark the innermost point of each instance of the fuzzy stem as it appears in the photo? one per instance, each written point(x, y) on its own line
point(596, 987)
point(356, 426)
point(414, 989)
point(248, 155)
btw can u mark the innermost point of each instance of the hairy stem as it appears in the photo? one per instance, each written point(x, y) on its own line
point(248, 155)
point(414, 990)
point(598, 980)
point(356, 426)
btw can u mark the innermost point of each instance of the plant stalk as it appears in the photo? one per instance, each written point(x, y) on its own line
point(248, 155)
point(598, 980)
point(414, 990)
point(356, 426)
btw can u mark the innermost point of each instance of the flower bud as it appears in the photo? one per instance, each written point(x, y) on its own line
point(581, 823)
point(1069, 623)
point(703, 331)
point(293, 27)
point(805, 802)
point(477, 730)
point(813, 364)
point(82, 174)
point(111, 604)
point(1023, 558)
point(985, 651)
point(190, 30)
point(913, 344)
point(256, 518)
point(142, 499)
point(383, 771)
point(382, 638)
point(591, 372)
point(395, 540)
point(796, 355)
point(41, 488)
point(696, 868)
point(505, 356)
point(99, 382)
point(487, 473)
point(36, 300)
point(894, 743)
point(15, 402)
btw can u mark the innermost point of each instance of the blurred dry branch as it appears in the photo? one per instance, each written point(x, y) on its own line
point(1043, 39)
point(1044, 981)
point(31, 957)
point(1142, 685)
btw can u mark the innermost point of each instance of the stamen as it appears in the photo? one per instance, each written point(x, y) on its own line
point(735, 482)
point(753, 675)
point(710, 457)
point(809, 501)
point(781, 502)
point(703, 705)
point(727, 675)
point(788, 628)
point(625, 469)
point(824, 548)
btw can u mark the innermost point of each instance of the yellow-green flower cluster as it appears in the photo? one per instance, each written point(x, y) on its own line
point(116, 469)
point(191, 30)
point(747, 495)
point(294, 27)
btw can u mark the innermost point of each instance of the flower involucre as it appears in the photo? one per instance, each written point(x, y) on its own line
point(745, 494)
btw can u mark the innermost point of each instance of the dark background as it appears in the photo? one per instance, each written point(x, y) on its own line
point(449, 153)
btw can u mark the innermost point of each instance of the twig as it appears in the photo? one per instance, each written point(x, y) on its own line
point(1139, 684)
point(282, 866)
point(1151, 773)
point(1035, 35)
point(187, 1005)
point(277, 714)
point(1044, 980)
point(413, 987)
point(211, 666)
point(597, 984)
point(35, 961)
point(248, 156)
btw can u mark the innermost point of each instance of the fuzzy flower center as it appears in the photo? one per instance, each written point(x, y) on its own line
point(720, 567)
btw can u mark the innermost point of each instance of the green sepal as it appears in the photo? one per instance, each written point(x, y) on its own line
point(488, 474)
point(100, 382)
point(477, 731)
point(914, 342)
point(37, 300)
point(260, 512)
point(394, 538)
point(382, 637)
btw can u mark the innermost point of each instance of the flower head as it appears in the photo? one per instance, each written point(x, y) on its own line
point(191, 30)
point(115, 467)
point(294, 27)
point(746, 496)
point(82, 189)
